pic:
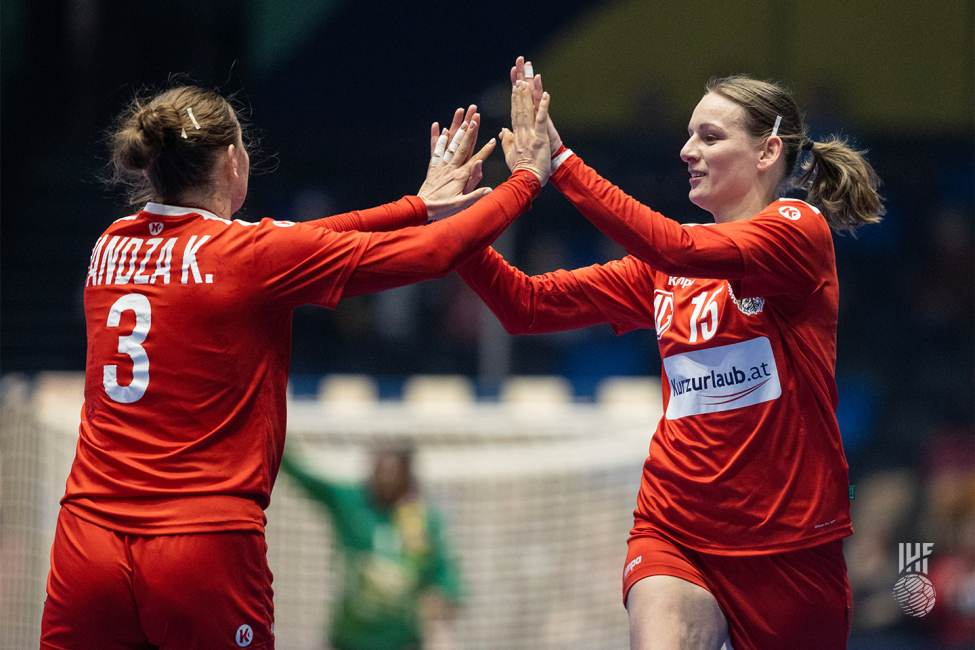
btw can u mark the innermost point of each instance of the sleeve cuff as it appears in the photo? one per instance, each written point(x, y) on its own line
point(560, 157)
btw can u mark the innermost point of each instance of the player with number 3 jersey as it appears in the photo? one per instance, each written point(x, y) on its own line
point(744, 496)
point(160, 540)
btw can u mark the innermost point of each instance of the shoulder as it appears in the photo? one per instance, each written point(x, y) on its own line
point(795, 212)
point(790, 218)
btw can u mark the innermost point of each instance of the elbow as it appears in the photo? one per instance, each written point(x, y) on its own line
point(515, 328)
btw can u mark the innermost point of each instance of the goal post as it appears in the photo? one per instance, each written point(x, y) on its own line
point(536, 492)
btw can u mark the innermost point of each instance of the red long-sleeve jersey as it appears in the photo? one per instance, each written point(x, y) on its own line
point(748, 457)
point(189, 342)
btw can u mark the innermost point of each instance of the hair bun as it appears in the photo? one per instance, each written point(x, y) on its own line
point(150, 130)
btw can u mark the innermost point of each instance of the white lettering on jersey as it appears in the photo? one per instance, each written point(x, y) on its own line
point(164, 261)
point(140, 277)
point(96, 254)
point(131, 345)
point(663, 311)
point(189, 261)
point(684, 282)
point(132, 250)
point(722, 378)
point(111, 257)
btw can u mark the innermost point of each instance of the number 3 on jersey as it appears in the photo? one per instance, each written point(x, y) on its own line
point(130, 345)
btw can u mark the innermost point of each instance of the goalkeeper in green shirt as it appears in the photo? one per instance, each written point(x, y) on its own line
point(396, 564)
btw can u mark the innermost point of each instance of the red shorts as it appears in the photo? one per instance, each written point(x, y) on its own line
point(797, 600)
point(115, 591)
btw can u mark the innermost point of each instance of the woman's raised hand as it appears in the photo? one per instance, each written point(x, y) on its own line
point(454, 170)
point(522, 71)
point(527, 146)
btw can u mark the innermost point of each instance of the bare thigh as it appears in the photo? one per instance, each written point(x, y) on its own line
point(669, 613)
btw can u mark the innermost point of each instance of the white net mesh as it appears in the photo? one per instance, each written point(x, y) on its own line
point(536, 494)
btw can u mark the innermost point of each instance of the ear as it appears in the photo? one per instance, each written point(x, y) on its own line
point(770, 152)
point(230, 160)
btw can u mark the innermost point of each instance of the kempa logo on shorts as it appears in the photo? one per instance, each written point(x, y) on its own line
point(632, 565)
point(244, 635)
point(914, 591)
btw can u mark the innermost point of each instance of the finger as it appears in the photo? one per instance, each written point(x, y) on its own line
point(439, 149)
point(471, 111)
point(514, 76)
point(456, 122)
point(474, 128)
point(485, 150)
point(507, 140)
point(541, 117)
point(521, 108)
point(476, 195)
point(434, 134)
point(520, 69)
point(455, 143)
point(529, 71)
point(465, 144)
point(537, 89)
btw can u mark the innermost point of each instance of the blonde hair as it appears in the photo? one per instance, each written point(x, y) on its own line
point(837, 178)
point(167, 143)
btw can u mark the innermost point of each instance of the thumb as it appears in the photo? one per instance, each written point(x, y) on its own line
point(465, 201)
point(507, 140)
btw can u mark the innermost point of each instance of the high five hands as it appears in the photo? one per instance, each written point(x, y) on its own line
point(527, 147)
point(454, 170)
point(522, 71)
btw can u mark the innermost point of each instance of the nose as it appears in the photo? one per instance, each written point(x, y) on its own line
point(689, 151)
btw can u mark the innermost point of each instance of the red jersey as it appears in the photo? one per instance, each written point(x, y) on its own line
point(189, 342)
point(748, 457)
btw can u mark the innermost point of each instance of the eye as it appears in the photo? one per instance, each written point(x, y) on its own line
point(710, 137)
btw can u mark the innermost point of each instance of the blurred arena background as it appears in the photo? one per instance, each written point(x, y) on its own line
point(343, 94)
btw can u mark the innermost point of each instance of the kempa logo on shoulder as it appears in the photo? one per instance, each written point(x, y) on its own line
point(155, 228)
point(914, 591)
point(790, 212)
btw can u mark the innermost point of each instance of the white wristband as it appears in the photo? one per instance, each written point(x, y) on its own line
point(559, 159)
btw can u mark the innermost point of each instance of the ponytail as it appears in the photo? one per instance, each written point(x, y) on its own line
point(842, 184)
point(838, 179)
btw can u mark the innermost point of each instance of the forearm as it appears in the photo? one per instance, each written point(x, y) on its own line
point(424, 253)
point(408, 211)
point(553, 302)
point(664, 244)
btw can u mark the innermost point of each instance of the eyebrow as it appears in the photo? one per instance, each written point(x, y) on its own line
point(709, 125)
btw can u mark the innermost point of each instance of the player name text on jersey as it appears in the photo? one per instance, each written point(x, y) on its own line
point(121, 260)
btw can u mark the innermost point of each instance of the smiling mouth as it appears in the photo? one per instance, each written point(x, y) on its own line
point(697, 174)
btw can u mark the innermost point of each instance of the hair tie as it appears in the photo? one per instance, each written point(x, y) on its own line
point(807, 145)
point(775, 129)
